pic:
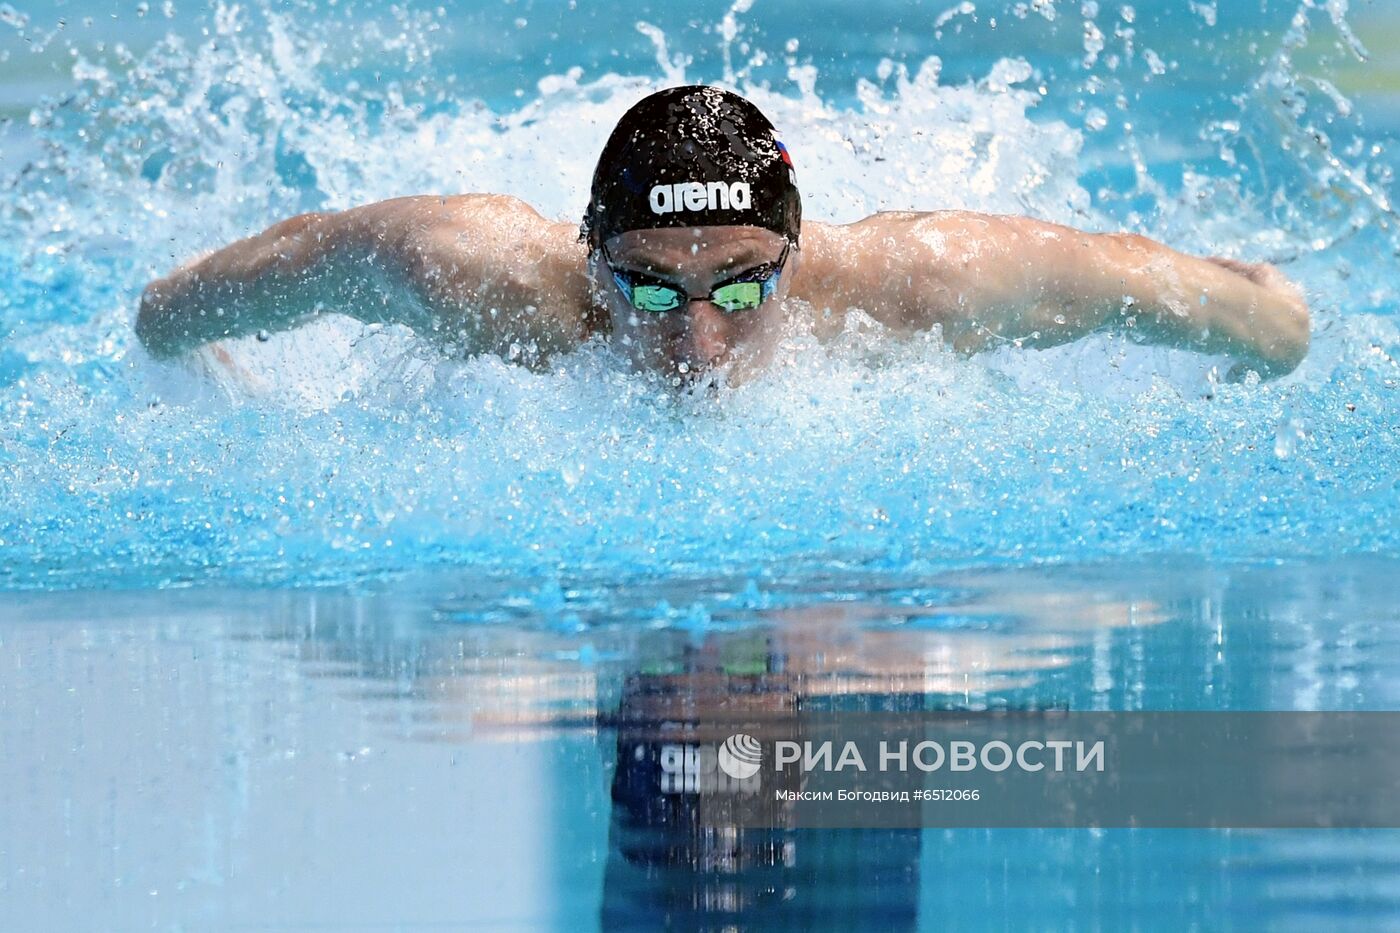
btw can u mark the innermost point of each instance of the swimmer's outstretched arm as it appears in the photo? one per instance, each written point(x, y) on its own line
point(990, 280)
point(476, 272)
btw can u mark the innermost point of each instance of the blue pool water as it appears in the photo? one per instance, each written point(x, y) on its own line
point(272, 644)
point(233, 759)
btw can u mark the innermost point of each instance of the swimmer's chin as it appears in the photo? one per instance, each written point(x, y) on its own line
point(728, 373)
point(692, 381)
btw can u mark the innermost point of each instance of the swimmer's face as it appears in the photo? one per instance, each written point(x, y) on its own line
point(699, 334)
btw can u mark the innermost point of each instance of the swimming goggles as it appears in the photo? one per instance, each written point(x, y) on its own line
point(744, 292)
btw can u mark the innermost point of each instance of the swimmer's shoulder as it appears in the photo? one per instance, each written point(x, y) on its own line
point(493, 265)
point(875, 230)
point(933, 241)
point(902, 268)
point(459, 220)
point(836, 252)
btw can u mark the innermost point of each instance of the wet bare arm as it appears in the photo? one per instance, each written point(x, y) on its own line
point(475, 272)
point(989, 280)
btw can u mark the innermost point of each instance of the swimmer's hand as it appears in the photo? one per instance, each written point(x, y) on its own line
point(1287, 294)
point(1269, 277)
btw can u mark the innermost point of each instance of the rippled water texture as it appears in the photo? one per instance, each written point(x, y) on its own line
point(226, 759)
point(342, 453)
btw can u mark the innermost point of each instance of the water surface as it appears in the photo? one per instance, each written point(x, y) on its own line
point(405, 758)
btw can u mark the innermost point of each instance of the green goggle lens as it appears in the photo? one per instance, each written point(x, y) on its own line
point(739, 296)
point(656, 298)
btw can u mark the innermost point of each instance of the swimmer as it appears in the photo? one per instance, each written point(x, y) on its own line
point(693, 254)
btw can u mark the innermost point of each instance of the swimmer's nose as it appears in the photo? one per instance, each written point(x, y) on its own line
point(709, 333)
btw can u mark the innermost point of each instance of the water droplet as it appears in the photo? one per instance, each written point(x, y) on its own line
point(1287, 434)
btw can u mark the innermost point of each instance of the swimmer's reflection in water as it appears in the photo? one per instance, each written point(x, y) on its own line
point(694, 257)
point(678, 855)
point(674, 860)
point(670, 858)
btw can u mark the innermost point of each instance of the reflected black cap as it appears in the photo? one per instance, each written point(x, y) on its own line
point(692, 156)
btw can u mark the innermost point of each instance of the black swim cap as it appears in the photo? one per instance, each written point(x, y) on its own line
point(692, 156)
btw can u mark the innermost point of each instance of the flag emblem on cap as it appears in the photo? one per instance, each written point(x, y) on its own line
point(782, 151)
